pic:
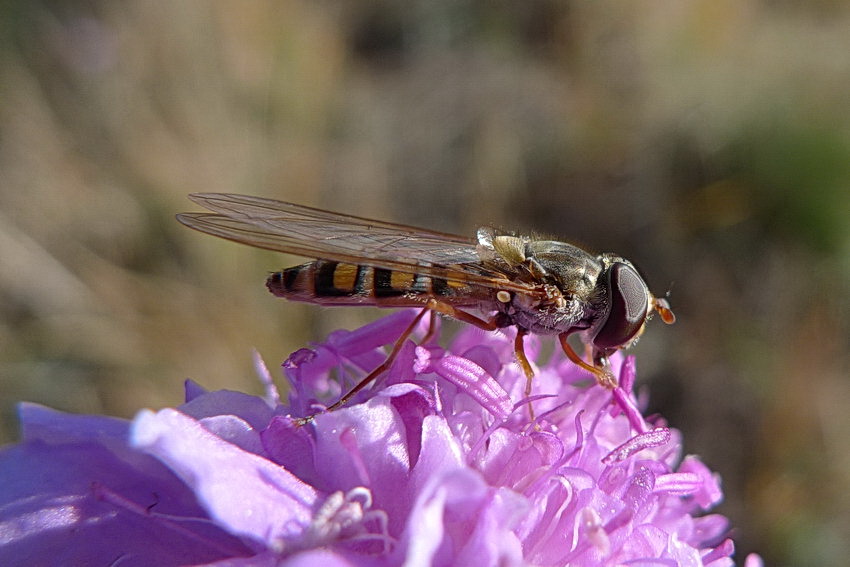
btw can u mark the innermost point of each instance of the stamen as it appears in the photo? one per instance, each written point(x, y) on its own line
point(654, 438)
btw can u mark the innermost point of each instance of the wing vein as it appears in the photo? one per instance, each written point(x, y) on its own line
point(315, 233)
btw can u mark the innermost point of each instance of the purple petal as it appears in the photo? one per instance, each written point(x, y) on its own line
point(477, 383)
point(709, 493)
point(413, 407)
point(511, 457)
point(365, 446)
point(291, 447)
point(236, 431)
point(384, 331)
point(247, 494)
point(720, 553)
point(249, 408)
point(68, 501)
point(272, 393)
point(326, 558)
point(429, 539)
point(627, 373)
point(492, 541)
point(39, 423)
point(625, 403)
point(486, 358)
point(192, 390)
point(707, 529)
point(440, 453)
point(428, 465)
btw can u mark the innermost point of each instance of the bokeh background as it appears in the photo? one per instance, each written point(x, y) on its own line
point(707, 140)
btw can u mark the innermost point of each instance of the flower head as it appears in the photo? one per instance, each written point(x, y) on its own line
point(438, 463)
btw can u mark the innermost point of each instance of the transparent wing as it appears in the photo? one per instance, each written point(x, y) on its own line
point(315, 233)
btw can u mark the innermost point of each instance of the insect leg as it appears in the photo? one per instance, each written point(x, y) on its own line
point(519, 352)
point(455, 313)
point(373, 374)
point(603, 375)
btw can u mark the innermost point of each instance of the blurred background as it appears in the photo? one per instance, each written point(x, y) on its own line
point(706, 140)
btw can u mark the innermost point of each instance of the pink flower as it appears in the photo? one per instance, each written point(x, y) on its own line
point(438, 463)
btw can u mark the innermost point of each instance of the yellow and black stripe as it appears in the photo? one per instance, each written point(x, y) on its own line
point(326, 281)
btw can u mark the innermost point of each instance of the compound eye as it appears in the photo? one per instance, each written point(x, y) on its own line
point(629, 299)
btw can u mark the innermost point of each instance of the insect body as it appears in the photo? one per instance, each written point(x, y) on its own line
point(539, 286)
point(337, 283)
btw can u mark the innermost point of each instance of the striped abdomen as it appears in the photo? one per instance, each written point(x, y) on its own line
point(338, 283)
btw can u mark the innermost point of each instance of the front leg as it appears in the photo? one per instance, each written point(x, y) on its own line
point(604, 376)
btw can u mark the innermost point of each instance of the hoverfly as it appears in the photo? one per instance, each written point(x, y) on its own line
point(538, 286)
